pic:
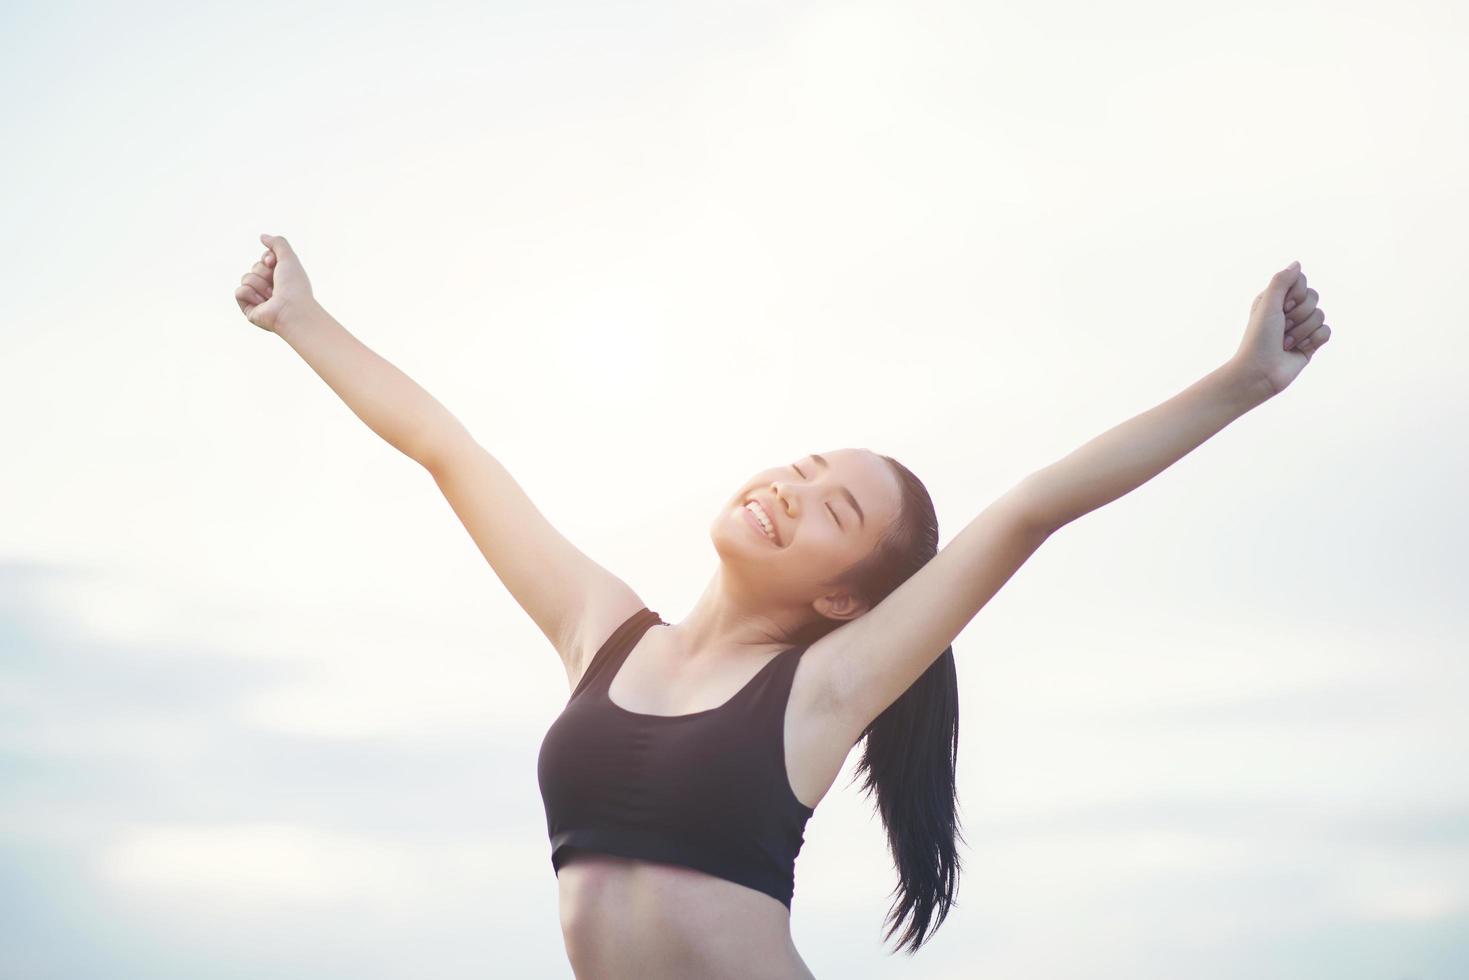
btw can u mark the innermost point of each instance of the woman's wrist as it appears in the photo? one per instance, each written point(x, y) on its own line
point(1249, 386)
point(297, 316)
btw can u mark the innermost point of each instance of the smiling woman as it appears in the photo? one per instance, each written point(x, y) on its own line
point(676, 805)
point(720, 773)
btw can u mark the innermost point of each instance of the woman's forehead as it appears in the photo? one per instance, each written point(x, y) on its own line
point(850, 459)
point(865, 472)
point(840, 454)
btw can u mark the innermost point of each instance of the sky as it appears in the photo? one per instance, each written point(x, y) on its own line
point(266, 712)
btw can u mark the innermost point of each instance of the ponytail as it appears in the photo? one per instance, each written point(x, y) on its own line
point(910, 751)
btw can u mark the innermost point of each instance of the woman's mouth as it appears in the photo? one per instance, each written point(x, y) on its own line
point(751, 520)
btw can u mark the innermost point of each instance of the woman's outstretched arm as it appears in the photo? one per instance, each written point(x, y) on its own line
point(1130, 454)
point(276, 296)
point(864, 665)
point(568, 595)
point(391, 403)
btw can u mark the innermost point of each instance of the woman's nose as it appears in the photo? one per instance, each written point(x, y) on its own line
point(778, 489)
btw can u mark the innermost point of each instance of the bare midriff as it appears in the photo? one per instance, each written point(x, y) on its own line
point(626, 919)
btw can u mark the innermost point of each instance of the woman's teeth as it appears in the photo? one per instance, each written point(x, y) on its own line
point(760, 516)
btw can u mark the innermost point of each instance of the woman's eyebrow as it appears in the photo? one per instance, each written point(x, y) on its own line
point(821, 461)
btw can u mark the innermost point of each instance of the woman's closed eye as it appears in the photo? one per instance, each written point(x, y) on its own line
point(828, 506)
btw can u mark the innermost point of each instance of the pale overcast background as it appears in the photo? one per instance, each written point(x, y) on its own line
point(265, 711)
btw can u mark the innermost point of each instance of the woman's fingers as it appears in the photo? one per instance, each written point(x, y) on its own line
point(258, 283)
point(268, 258)
point(1295, 294)
point(247, 297)
point(1298, 311)
point(263, 271)
point(1313, 343)
point(1300, 331)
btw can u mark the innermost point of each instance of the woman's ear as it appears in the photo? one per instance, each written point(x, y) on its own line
point(839, 605)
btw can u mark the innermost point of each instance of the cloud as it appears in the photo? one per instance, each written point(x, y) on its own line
point(286, 867)
point(150, 826)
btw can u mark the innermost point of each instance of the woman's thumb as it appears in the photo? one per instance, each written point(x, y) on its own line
point(1280, 284)
point(277, 244)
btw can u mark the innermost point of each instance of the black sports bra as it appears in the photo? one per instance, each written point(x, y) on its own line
point(706, 790)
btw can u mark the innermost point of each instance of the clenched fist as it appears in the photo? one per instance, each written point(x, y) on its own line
point(276, 288)
point(1285, 328)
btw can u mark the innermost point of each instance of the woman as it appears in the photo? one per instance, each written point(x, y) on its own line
point(679, 777)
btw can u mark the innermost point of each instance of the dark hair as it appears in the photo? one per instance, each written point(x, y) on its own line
point(911, 748)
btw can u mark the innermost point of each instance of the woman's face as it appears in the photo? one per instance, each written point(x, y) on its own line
point(828, 511)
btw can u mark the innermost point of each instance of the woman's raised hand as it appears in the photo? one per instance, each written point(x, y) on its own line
point(1286, 327)
point(276, 286)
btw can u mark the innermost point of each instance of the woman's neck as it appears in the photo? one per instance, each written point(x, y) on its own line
point(728, 621)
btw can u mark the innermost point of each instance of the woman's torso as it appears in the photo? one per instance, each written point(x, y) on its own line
point(632, 918)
